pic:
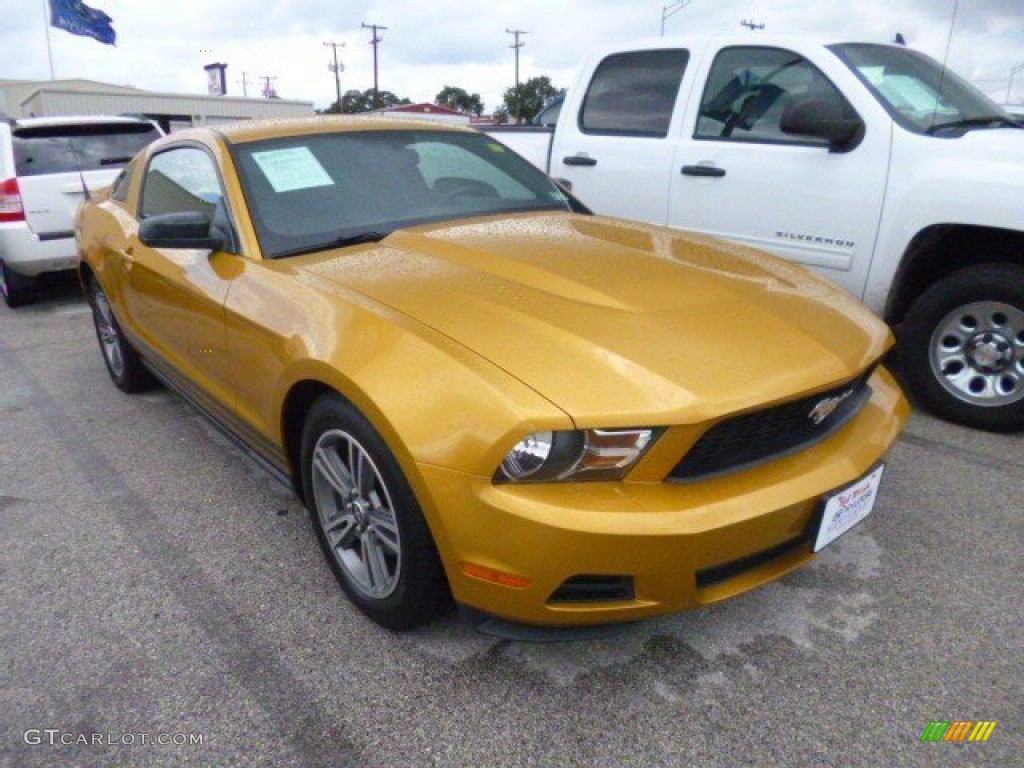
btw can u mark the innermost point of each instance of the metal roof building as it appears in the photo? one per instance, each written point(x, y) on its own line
point(49, 98)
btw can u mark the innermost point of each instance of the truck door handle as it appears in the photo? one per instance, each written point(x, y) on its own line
point(579, 160)
point(703, 170)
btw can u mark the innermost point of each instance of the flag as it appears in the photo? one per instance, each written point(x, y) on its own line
point(76, 17)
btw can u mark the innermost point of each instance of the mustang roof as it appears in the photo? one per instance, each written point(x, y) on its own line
point(257, 130)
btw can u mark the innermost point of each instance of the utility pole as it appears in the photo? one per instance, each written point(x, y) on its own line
point(337, 68)
point(268, 86)
point(516, 46)
point(244, 82)
point(374, 41)
point(671, 10)
point(751, 25)
point(1009, 85)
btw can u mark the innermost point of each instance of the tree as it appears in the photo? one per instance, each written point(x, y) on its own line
point(500, 115)
point(354, 102)
point(532, 96)
point(460, 100)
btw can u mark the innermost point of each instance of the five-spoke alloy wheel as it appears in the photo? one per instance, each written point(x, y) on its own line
point(367, 519)
point(123, 362)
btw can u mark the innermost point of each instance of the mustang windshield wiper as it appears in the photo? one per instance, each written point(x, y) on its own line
point(370, 236)
point(115, 160)
point(993, 121)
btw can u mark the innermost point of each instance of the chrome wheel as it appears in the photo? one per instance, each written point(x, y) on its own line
point(106, 328)
point(356, 514)
point(977, 353)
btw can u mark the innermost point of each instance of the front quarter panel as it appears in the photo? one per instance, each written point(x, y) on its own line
point(434, 401)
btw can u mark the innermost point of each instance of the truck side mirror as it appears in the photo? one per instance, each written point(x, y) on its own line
point(822, 119)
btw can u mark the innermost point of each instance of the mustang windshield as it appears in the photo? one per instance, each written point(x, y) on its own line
point(918, 93)
point(317, 191)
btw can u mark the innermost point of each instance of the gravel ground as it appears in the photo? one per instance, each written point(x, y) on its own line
point(156, 582)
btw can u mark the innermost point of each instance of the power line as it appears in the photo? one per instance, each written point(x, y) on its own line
point(516, 46)
point(374, 41)
point(337, 68)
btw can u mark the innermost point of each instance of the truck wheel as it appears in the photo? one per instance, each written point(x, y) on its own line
point(18, 290)
point(367, 519)
point(963, 348)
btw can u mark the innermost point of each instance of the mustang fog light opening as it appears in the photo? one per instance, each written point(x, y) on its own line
point(590, 454)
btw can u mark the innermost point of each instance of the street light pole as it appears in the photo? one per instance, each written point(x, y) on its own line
point(671, 10)
point(336, 68)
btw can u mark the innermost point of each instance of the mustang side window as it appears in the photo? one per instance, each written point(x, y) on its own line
point(185, 179)
point(757, 94)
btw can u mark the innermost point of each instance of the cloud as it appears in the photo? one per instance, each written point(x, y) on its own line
point(431, 43)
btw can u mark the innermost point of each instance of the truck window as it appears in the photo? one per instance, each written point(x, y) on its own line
point(634, 93)
point(751, 91)
point(916, 90)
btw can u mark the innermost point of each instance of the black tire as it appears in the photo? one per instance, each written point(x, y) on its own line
point(359, 527)
point(122, 360)
point(17, 289)
point(989, 290)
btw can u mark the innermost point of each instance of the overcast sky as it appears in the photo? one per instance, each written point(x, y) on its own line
point(430, 43)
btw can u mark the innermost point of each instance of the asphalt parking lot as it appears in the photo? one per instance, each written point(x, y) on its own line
point(157, 584)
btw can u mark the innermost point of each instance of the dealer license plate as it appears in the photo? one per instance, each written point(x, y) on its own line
point(847, 507)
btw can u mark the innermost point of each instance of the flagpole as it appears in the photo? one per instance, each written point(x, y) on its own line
point(49, 48)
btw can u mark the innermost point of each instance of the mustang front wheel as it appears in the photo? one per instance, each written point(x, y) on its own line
point(367, 519)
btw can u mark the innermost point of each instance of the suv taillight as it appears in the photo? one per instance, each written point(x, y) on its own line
point(11, 208)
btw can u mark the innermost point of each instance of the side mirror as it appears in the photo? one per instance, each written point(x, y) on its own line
point(184, 229)
point(822, 119)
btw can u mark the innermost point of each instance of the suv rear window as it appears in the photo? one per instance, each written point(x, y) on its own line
point(69, 148)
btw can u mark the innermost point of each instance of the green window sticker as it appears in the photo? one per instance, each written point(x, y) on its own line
point(495, 147)
point(292, 168)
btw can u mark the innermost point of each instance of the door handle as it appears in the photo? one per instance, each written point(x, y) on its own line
point(579, 160)
point(703, 170)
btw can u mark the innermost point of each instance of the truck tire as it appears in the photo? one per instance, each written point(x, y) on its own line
point(963, 348)
point(17, 289)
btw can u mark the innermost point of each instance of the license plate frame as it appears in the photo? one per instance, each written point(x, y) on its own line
point(847, 507)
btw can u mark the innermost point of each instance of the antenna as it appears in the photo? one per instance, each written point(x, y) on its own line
point(945, 58)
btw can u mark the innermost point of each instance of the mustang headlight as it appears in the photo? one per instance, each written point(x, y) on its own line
point(589, 454)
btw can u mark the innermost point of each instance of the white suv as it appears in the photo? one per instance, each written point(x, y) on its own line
point(45, 164)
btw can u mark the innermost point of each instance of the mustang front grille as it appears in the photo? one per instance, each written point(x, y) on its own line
point(760, 436)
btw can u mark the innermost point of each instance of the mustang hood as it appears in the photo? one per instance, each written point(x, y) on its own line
point(615, 321)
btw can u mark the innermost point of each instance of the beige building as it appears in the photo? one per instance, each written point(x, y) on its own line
point(48, 98)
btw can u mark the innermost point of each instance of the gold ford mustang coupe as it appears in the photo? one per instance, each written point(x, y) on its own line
point(480, 390)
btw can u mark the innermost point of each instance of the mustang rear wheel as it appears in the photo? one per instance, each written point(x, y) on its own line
point(963, 348)
point(123, 362)
point(367, 519)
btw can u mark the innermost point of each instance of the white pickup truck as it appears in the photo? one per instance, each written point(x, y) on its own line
point(871, 164)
